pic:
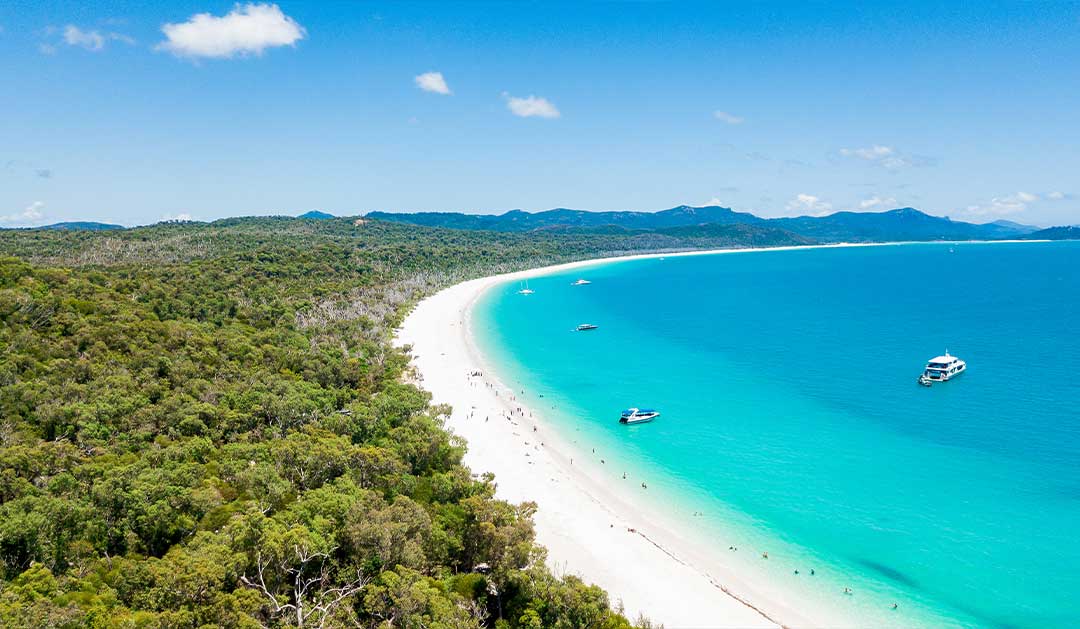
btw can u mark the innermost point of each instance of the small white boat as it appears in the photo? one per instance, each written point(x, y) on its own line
point(525, 289)
point(638, 416)
point(942, 368)
point(581, 283)
point(585, 327)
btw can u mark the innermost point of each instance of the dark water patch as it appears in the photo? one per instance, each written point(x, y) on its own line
point(890, 573)
point(1016, 620)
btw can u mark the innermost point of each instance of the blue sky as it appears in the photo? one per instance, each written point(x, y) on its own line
point(125, 113)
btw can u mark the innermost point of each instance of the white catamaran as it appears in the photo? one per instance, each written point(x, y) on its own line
point(942, 369)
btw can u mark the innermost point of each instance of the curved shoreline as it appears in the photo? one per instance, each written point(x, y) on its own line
point(583, 523)
point(582, 519)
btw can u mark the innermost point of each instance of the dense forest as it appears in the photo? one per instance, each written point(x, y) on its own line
point(206, 425)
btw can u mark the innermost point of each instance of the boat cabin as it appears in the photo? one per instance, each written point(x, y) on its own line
point(942, 368)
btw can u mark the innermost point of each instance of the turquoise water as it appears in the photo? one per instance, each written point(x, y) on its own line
point(792, 420)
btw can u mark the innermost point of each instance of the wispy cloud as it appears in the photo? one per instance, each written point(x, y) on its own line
point(717, 201)
point(1058, 195)
point(729, 118)
point(87, 39)
point(1000, 206)
point(432, 82)
point(248, 29)
point(531, 107)
point(886, 157)
point(90, 40)
point(30, 215)
point(808, 204)
point(44, 173)
point(870, 153)
point(876, 202)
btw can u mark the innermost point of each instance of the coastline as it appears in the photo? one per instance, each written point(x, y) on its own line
point(591, 527)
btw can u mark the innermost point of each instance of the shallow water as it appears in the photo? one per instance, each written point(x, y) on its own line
point(791, 418)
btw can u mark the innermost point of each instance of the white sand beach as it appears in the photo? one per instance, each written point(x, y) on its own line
point(590, 527)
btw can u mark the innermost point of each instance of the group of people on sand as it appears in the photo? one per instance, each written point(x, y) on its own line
point(519, 411)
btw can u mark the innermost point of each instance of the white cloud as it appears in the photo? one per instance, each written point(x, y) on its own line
point(531, 106)
point(246, 30)
point(1057, 196)
point(31, 214)
point(881, 155)
point(876, 201)
point(93, 41)
point(999, 206)
point(432, 82)
point(870, 153)
point(90, 40)
point(808, 203)
point(183, 216)
point(724, 116)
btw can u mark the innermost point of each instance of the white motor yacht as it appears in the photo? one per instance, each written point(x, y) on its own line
point(943, 368)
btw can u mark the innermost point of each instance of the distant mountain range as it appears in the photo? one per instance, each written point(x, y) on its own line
point(893, 225)
point(520, 220)
point(684, 221)
point(78, 226)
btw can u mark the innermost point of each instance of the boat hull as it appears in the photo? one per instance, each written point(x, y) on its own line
point(629, 421)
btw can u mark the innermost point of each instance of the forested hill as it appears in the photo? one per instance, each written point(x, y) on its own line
point(206, 425)
point(519, 220)
point(1056, 233)
point(894, 225)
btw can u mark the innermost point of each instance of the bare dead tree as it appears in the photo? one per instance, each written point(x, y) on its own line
point(312, 599)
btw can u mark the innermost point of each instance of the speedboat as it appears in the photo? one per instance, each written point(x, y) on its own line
point(526, 290)
point(943, 368)
point(585, 327)
point(925, 380)
point(638, 416)
point(581, 283)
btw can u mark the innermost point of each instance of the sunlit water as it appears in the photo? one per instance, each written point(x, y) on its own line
point(792, 420)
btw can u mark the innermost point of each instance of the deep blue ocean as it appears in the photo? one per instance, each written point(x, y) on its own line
point(792, 420)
